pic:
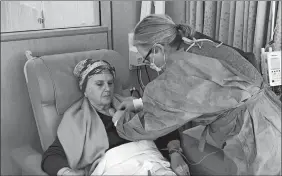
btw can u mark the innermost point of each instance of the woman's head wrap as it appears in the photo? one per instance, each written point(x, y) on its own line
point(89, 67)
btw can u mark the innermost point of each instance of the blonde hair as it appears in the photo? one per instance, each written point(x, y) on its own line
point(156, 28)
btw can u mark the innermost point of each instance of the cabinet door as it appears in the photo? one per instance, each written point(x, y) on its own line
point(20, 15)
point(62, 14)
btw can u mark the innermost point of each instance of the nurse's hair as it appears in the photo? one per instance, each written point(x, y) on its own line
point(156, 28)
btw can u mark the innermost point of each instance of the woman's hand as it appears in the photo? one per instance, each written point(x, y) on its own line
point(178, 164)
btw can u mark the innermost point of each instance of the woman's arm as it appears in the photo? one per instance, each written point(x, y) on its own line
point(163, 141)
point(171, 141)
point(54, 159)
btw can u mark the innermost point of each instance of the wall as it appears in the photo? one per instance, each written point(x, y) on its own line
point(126, 14)
point(17, 123)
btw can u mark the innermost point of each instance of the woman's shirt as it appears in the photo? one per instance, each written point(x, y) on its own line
point(114, 139)
point(54, 158)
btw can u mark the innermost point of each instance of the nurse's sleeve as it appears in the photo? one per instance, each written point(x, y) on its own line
point(147, 124)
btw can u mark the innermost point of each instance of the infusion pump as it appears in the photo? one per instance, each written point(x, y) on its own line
point(273, 64)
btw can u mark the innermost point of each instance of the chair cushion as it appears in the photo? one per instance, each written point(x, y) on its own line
point(53, 88)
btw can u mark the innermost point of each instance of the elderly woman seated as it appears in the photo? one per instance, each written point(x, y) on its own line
point(87, 141)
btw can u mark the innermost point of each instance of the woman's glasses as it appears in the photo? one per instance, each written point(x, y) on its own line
point(146, 58)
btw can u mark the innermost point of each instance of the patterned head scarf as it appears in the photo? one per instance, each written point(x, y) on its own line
point(86, 68)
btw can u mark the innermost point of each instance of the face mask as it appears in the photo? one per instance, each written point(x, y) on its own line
point(155, 67)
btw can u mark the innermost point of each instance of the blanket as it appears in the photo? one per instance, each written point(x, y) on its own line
point(218, 88)
point(134, 158)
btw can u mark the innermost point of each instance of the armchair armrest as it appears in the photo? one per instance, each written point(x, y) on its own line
point(28, 160)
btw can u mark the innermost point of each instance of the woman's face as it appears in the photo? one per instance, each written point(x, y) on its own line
point(100, 88)
point(156, 56)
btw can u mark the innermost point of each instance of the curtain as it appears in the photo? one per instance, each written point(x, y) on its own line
point(246, 25)
point(277, 30)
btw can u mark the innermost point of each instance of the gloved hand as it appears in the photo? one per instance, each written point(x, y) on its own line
point(112, 111)
point(118, 114)
point(127, 105)
point(177, 162)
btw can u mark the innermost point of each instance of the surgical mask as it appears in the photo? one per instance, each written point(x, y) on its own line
point(153, 65)
point(186, 40)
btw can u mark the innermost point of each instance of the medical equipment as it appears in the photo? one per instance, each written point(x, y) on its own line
point(271, 62)
point(274, 68)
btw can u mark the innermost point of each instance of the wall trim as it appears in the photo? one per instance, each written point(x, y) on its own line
point(26, 35)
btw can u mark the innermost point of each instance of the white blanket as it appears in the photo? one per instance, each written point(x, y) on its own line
point(134, 158)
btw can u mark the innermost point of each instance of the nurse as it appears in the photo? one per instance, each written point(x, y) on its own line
point(155, 37)
point(213, 85)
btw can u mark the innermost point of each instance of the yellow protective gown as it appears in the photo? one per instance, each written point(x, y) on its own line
point(218, 88)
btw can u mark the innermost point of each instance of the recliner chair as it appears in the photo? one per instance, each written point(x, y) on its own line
point(52, 89)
